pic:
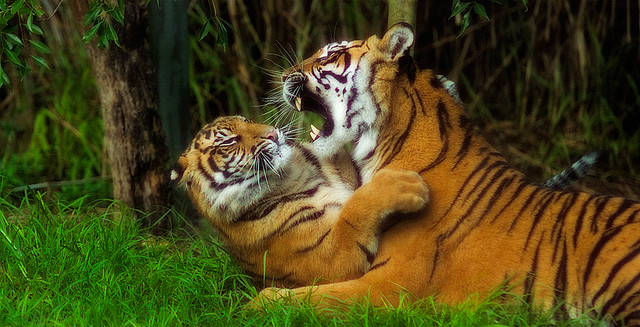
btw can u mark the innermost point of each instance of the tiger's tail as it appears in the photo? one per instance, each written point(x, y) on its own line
point(576, 171)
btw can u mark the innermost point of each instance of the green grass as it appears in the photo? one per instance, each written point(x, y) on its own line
point(85, 262)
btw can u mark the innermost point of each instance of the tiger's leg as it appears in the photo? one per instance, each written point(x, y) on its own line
point(347, 249)
point(375, 285)
point(359, 221)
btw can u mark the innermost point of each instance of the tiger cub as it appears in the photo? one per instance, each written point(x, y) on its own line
point(287, 216)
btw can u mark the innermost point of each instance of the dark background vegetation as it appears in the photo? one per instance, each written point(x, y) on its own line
point(546, 83)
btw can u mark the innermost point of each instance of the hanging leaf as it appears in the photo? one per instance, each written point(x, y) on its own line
point(13, 57)
point(204, 31)
point(40, 61)
point(479, 9)
point(94, 11)
point(118, 14)
point(13, 38)
point(460, 7)
point(111, 34)
point(4, 79)
point(16, 6)
point(91, 33)
point(40, 47)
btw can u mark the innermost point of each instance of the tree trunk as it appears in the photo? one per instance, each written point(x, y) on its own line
point(169, 40)
point(402, 11)
point(134, 140)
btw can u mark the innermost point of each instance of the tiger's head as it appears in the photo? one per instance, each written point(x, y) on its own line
point(336, 84)
point(230, 164)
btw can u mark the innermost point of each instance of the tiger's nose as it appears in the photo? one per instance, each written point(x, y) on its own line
point(272, 135)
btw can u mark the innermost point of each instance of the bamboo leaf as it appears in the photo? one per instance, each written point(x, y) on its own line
point(16, 6)
point(480, 10)
point(111, 34)
point(94, 11)
point(40, 47)
point(40, 61)
point(4, 79)
point(36, 29)
point(204, 31)
point(118, 14)
point(13, 38)
point(91, 33)
point(13, 57)
point(459, 9)
point(29, 23)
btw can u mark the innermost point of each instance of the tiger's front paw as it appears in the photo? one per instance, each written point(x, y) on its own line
point(406, 190)
point(270, 295)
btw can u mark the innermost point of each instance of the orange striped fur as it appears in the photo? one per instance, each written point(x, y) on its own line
point(288, 217)
point(486, 226)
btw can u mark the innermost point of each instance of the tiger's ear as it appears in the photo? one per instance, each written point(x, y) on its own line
point(396, 41)
point(177, 173)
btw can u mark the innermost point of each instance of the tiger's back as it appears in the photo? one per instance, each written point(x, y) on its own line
point(486, 226)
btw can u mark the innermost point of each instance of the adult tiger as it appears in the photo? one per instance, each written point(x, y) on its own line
point(288, 217)
point(486, 226)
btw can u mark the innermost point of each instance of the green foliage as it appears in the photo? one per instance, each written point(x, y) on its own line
point(214, 25)
point(84, 262)
point(89, 263)
point(99, 18)
point(53, 131)
point(464, 9)
point(19, 34)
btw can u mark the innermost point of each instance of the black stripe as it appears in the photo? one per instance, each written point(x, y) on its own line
point(626, 204)
point(631, 316)
point(478, 168)
point(527, 203)
point(542, 209)
point(467, 126)
point(353, 91)
point(443, 124)
point(417, 95)
point(620, 294)
point(614, 272)
point(633, 296)
point(307, 218)
point(489, 170)
point(399, 140)
point(310, 157)
point(506, 182)
point(560, 285)
point(263, 209)
point(601, 203)
point(379, 264)
point(633, 216)
point(606, 237)
point(513, 197)
point(471, 208)
point(579, 222)
point(569, 202)
point(205, 173)
point(370, 255)
point(316, 244)
point(531, 277)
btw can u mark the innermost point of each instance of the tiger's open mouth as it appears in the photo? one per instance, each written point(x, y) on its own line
point(299, 97)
